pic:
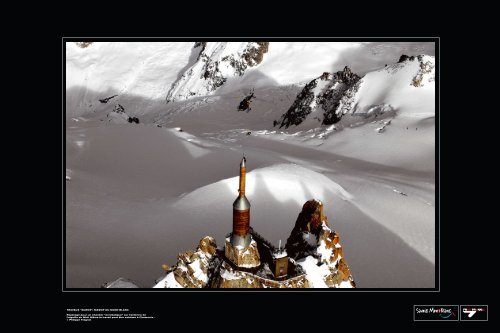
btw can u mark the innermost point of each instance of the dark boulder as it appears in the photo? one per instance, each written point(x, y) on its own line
point(304, 236)
point(118, 108)
point(404, 57)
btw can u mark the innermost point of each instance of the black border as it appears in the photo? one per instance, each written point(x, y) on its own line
point(436, 40)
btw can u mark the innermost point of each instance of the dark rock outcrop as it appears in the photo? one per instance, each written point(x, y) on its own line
point(304, 236)
point(202, 45)
point(83, 45)
point(105, 100)
point(118, 108)
point(301, 107)
point(404, 57)
point(426, 70)
point(331, 98)
point(328, 97)
point(211, 59)
point(316, 259)
point(312, 239)
point(254, 54)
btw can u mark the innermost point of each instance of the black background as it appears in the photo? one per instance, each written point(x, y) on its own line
point(466, 273)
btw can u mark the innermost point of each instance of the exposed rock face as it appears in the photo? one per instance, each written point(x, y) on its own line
point(254, 53)
point(83, 44)
point(404, 57)
point(118, 108)
point(133, 120)
point(216, 63)
point(425, 72)
point(242, 256)
point(323, 96)
point(316, 260)
point(326, 99)
point(202, 45)
point(191, 270)
point(317, 249)
point(301, 107)
point(118, 114)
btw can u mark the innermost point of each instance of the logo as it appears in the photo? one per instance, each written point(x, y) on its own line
point(435, 312)
point(474, 312)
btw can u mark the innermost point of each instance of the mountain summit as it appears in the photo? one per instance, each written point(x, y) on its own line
point(215, 63)
point(316, 260)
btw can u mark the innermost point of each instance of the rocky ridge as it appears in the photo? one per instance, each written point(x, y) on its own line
point(215, 63)
point(192, 268)
point(426, 68)
point(323, 96)
point(317, 249)
point(326, 99)
point(312, 246)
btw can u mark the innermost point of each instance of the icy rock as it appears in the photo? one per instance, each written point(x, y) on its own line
point(243, 256)
point(404, 57)
point(329, 93)
point(191, 270)
point(216, 63)
point(312, 245)
point(333, 271)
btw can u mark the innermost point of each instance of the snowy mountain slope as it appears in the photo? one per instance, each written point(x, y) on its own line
point(145, 73)
point(382, 115)
point(406, 86)
point(320, 99)
point(104, 69)
point(135, 192)
point(139, 191)
point(393, 110)
point(216, 62)
point(313, 247)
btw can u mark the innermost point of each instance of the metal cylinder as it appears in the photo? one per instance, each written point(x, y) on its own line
point(241, 211)
point(241, 222)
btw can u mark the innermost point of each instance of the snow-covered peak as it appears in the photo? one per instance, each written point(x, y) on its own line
point(320, 99)
point(192, 267)
point(425, 72)
point(215, 63)
point(406, 86)
point(316, 263)
point(400, 87)
point(138, 68)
